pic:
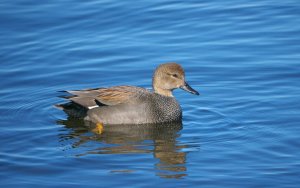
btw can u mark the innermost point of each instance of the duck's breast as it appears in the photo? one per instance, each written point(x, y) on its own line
point(165, 109)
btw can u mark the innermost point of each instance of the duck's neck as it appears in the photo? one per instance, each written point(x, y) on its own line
point(165, 92)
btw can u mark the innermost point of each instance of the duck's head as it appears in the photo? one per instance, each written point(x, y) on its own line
point(170, 76)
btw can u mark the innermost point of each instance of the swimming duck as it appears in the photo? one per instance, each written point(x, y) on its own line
point(131, 104)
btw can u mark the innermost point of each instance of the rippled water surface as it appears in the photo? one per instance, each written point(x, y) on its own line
point(242, 56)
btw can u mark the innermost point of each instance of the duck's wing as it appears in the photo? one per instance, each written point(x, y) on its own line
point(91, 98)
point(119, 94)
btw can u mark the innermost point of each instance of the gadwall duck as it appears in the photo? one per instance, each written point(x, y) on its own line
point(130, 104)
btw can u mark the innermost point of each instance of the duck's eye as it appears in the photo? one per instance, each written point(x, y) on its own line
point(175, 75)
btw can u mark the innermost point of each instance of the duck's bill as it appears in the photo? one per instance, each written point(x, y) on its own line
point(189, 89)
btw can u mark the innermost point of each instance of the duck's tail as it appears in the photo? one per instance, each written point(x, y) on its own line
point(72, 109)
point(79, 102)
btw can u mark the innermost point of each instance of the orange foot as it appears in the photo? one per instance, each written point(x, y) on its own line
point(99, 128)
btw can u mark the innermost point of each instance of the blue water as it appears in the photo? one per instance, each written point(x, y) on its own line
point(242, 56)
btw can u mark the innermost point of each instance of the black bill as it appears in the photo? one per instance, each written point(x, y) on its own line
point(188, 88)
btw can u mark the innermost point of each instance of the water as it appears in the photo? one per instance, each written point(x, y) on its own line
point(242, 56)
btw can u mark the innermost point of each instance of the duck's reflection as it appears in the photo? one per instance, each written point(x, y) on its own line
point(161, 140)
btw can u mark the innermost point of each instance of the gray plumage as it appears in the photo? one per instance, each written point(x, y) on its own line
point(141, 109)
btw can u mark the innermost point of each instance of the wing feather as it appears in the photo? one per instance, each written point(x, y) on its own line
point(106, 96)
